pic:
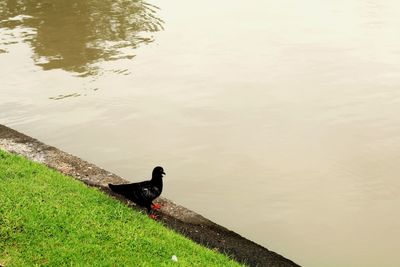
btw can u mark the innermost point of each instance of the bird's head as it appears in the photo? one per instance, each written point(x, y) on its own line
point(158, 172)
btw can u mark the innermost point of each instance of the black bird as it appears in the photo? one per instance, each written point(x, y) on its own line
point(143, 193)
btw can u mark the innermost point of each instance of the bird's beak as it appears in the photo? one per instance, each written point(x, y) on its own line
point(163, 173)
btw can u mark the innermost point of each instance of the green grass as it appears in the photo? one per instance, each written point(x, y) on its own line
point(48, 219)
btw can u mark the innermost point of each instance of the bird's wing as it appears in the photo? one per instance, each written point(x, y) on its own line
point(149, 192)
point(142, 193)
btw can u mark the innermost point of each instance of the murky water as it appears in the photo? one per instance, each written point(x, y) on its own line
point(277, 119)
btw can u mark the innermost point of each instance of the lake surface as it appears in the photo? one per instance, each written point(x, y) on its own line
point(277, 119)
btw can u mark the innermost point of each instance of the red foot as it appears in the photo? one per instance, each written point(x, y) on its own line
point(156, 206)
point(153, 216)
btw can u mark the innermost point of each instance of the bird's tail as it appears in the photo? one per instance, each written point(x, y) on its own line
point(117, 188)
point(112, 187)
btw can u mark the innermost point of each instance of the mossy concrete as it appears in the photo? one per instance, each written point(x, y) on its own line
point(181, 219)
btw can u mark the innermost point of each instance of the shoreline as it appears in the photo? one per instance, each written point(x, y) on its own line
point(176, 217)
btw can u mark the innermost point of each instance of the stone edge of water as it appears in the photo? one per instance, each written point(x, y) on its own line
point(173, 216)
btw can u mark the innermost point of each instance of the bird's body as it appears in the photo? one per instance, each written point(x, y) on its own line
point(142, 193)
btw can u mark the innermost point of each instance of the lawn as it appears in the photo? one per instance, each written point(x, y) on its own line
point(49, 219)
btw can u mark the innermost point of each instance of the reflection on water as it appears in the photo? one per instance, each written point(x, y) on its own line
point(59, 97)
point(72, 35)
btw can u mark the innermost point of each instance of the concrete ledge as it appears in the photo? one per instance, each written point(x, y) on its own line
point(178, 218)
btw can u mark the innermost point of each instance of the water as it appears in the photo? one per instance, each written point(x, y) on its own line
point(277, 119)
